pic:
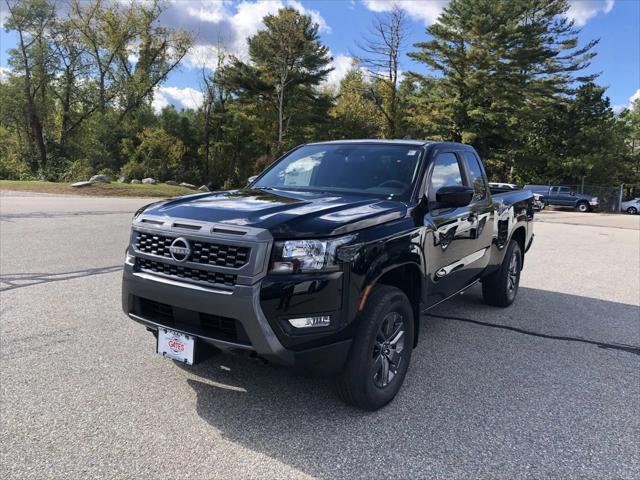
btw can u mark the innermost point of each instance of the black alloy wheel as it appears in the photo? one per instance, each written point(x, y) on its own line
point(388, 349)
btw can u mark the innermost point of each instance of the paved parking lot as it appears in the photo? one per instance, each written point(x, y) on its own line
point(549, 388)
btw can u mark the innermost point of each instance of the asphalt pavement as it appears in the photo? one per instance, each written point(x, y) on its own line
point(548, 388)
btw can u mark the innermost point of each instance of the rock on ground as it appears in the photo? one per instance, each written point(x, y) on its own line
point(149, 180)
point(135, 181)
point(81, 184)
point(171, 182)
point(99, 178)
point(188, 185)
point(204, 188)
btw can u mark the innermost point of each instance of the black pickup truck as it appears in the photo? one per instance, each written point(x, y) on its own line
point(325, 261)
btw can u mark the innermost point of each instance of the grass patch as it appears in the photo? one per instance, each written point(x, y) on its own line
point(97, 189)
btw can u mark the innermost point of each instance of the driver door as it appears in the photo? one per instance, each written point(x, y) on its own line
point(451, 241)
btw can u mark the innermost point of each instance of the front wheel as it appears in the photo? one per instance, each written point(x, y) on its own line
point(632, 210)
point(582, 207)
point(381, 350)
point(500, 288)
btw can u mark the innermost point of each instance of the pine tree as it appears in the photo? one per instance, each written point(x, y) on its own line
point(287, 62)
point(499, 65)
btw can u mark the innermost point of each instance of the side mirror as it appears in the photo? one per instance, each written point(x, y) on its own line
point(251, 179)
point(454, 196)
point(573, 194)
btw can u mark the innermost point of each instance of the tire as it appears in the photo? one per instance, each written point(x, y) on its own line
point(632, 210)
point(582, 207)
point(386, 325)
point(500, 288)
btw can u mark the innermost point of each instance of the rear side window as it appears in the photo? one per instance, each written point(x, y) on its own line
point(446, 172)
point(566, 190)
point(476, 177)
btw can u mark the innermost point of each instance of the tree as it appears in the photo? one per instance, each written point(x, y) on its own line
point(355, 113)
point(131, 54)
point(32, 59)
point(500, 65)
point(287, 60)
point(381, 50)
point(594, 141)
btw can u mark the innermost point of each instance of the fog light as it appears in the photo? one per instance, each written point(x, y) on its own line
point(282, 267)
point(323, 321)
point(129, 259)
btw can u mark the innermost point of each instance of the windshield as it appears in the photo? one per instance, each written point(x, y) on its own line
point(381, 170)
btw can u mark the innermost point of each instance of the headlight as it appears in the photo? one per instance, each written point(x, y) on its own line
point(594, 201)
point(299, 256)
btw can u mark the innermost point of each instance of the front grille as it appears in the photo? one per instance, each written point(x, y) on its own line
point(186, 273)
point(201, 252)
point(190, 321)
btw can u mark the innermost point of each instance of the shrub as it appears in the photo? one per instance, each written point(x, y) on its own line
point(77, 170)
point(133, 169)
point(13, 169)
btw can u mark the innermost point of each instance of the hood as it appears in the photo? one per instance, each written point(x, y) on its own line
point(582, 196)
point(286, 214)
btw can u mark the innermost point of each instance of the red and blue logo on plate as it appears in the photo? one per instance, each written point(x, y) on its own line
point(175, 345)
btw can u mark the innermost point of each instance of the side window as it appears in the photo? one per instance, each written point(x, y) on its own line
point(446, 172)
point(475, 173)
point(565, 190)
point(553, 190)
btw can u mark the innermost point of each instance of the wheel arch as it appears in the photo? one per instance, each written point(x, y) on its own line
point(408, 278)
point(520, 236)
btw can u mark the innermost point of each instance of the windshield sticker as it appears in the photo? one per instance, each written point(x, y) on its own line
point(411, 153)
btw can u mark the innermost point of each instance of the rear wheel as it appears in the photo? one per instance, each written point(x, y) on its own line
point(632, 210)
point(582, 207)
point(500, 288)
point(381, 350)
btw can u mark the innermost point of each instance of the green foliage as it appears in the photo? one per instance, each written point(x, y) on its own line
point(78, 170)
point(157, 154)
point(355, 113)
point(501, 65)
point(503, 75)
point(287, 60)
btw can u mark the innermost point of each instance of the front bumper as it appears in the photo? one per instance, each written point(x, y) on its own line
point(190, 302)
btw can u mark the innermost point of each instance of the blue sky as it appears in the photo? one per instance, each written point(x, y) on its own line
point(227, 23)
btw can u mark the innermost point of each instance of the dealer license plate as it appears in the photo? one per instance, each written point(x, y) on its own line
point(176, 345)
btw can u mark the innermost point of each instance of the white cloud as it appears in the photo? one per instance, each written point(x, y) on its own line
point(633, 98)
point(4, 73)
point(4, 13)
point(223, 24)
point(341, 65)
point(180, 98)
point(581, 11)
point(425, 11)
point(428, 11)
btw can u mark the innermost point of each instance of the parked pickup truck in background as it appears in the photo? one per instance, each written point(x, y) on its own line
point(564, 197)
point(326, 260)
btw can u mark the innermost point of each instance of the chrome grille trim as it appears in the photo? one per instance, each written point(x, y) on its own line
point(186, 273)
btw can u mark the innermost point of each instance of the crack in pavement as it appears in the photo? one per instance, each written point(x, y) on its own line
point(13, 281)
point(612, 346)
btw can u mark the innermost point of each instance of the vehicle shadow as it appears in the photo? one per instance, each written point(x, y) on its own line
point(514, 391)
